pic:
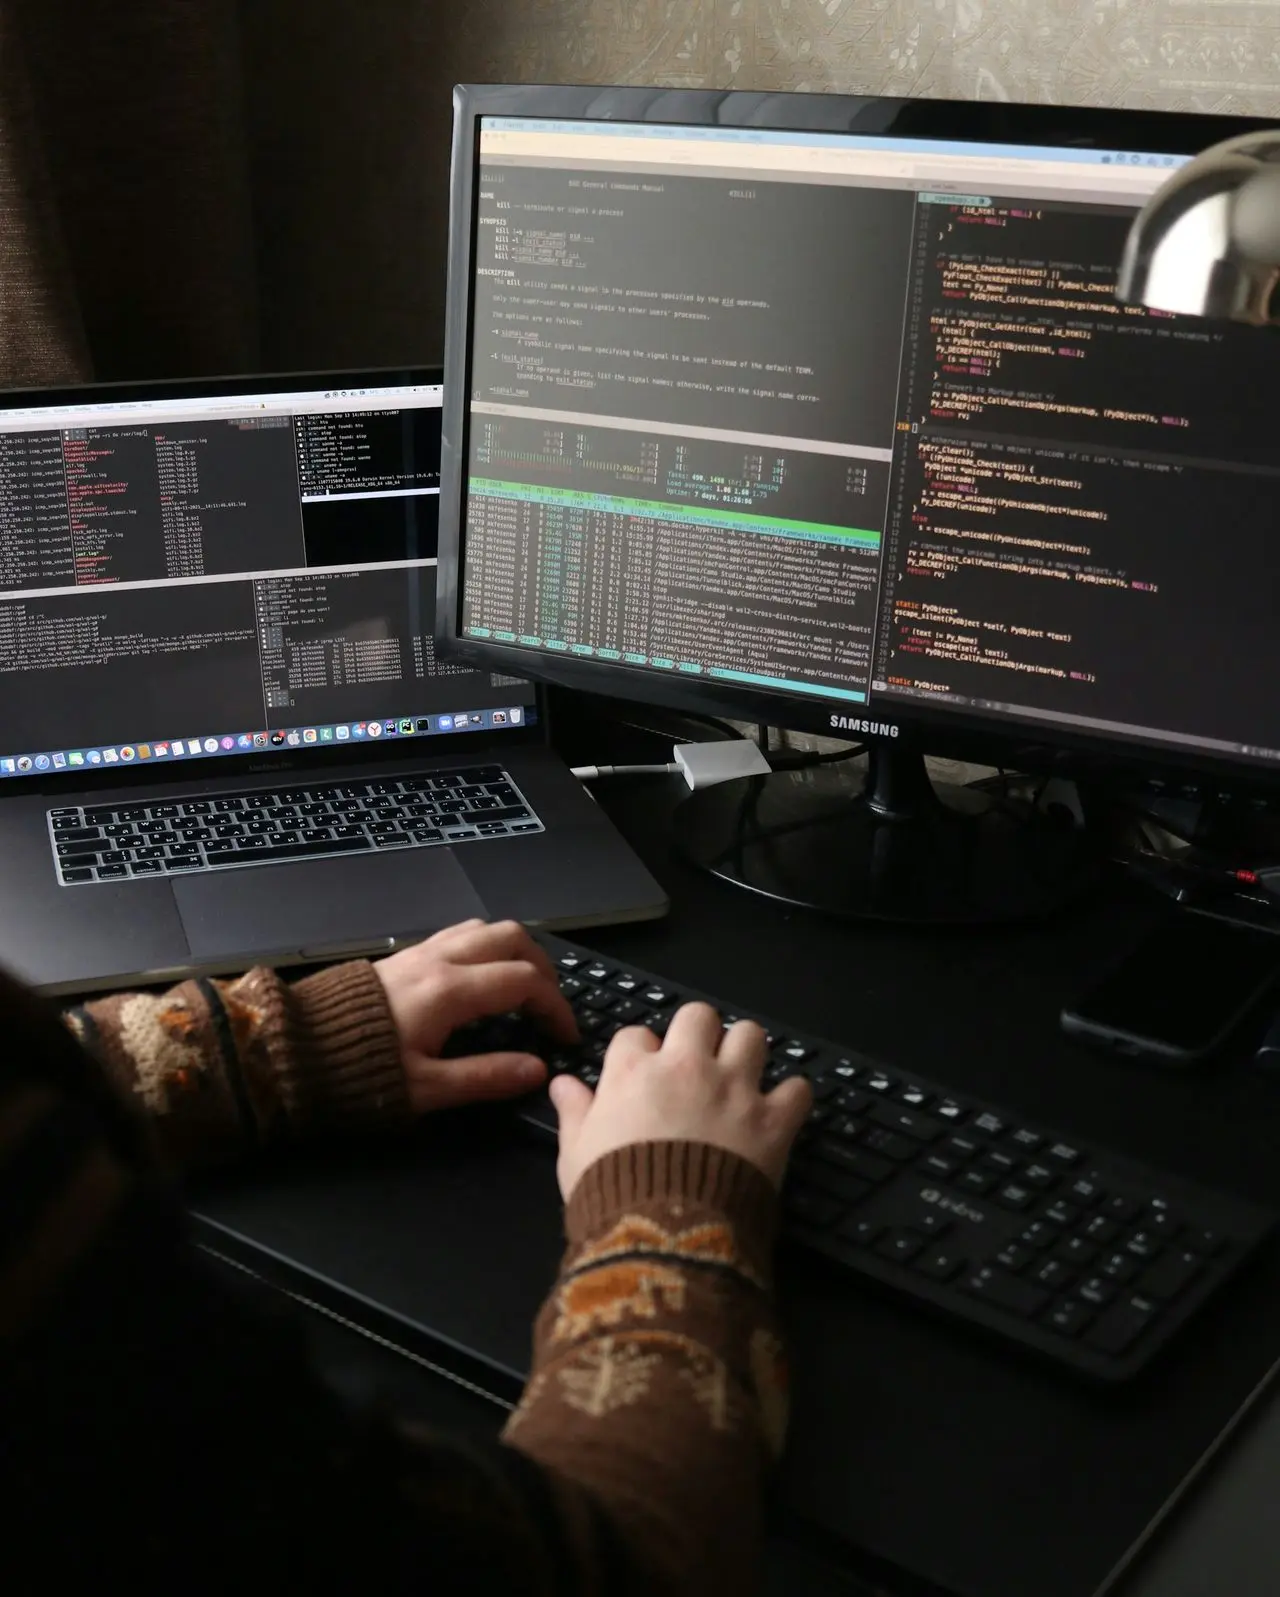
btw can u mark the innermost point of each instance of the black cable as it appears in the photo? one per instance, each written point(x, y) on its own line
point(803, 761)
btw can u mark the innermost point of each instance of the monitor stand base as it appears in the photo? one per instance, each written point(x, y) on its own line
point(902, 850)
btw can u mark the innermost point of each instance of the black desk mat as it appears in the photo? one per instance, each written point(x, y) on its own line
point(911, 1442)
point(979, 1475)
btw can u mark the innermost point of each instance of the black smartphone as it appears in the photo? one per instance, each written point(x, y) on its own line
point(1182, 992)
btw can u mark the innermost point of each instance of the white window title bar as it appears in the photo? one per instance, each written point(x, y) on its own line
point(977, 166)
point(126, 412)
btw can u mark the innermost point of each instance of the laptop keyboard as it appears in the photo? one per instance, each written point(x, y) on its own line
point(268, 826)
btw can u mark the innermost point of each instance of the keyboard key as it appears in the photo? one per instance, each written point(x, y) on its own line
point(1206, 1243)
point(938, 1166)
point(1142, 1245)
point(1062, 1213)
point(962, 1147)
point(1085, 1191)
point(150, 867)
point(890, 1144)
point(1160, 1223)
point(81, 834)
point(1075, 1250)
point(855, 1102)
point(990, 1125)
point(229, 856)
point(598, 972)
point(1064, 1153)
point(1101, 1230)
point(931, 1223)
point(625, 982)
point(313, 834)
point(950, 1111)
point(1069, 1319)
point(1122, 1325)
point(940, 1264)
point(150, 851)
point(77, 873)
point(1008, 1292)
point(184, 864)
point(863, 1232)
point(857, 1161)
point(1053, 1275)
point(879, 1083)
point(1098, 1291)
point(1000, 1163)
point(115, 856)
point(899, 1245)
point(1119, 1267)
point(797, 1052)
point(915, 1097)
point(1040, 1234)
point(979, 1181)
point(1015, 1197)
point(1017, 1256)
point(824, 1088)
point(184, 851)
point(1170, 1276)
point(1028, 1141)
point(923, 1128)
point(1041, 1177)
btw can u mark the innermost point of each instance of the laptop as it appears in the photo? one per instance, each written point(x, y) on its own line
point(225, 733)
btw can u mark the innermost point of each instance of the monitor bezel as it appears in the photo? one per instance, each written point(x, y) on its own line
point(936, 729)
point(259, 765)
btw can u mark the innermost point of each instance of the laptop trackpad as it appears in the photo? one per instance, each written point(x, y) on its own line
point(325, 905)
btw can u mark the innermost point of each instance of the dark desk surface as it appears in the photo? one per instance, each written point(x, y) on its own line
point(991, 1478)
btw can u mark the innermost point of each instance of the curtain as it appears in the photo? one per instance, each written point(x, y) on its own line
point(126, 216)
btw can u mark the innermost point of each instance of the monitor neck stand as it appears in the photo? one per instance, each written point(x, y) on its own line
point(902, 849)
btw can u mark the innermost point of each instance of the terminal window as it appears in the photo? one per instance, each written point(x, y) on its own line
point(223, 567)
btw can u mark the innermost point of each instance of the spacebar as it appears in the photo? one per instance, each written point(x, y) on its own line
point(264, 856)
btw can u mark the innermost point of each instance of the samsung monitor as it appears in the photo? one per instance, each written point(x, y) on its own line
point(823, 412)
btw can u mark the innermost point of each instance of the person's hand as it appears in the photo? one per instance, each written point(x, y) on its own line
point(463, 974)
point(701, 1083)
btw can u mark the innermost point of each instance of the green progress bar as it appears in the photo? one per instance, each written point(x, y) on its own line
point(657, 510)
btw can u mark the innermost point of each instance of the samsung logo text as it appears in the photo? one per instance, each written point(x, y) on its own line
point(851, 723)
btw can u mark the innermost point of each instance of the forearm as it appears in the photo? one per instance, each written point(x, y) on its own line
point(223, 1067)
point(658, 1393)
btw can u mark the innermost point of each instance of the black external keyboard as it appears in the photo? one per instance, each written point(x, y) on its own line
point(1070, 1252)
point(113, 842)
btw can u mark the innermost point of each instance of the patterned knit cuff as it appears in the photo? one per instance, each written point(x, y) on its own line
point(690, 1181)
point(350, 1045)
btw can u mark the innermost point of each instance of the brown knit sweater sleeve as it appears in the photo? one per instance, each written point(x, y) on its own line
point(221, 1067)
point(659, 1390)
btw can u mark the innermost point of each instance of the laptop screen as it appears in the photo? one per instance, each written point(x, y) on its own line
point(191, 575)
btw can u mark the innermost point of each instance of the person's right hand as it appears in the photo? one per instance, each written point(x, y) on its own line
point(701, 1083)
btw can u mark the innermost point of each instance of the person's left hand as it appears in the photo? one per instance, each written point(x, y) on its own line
point(463, 974)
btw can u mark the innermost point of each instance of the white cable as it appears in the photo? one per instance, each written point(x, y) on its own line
point(589, 773)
